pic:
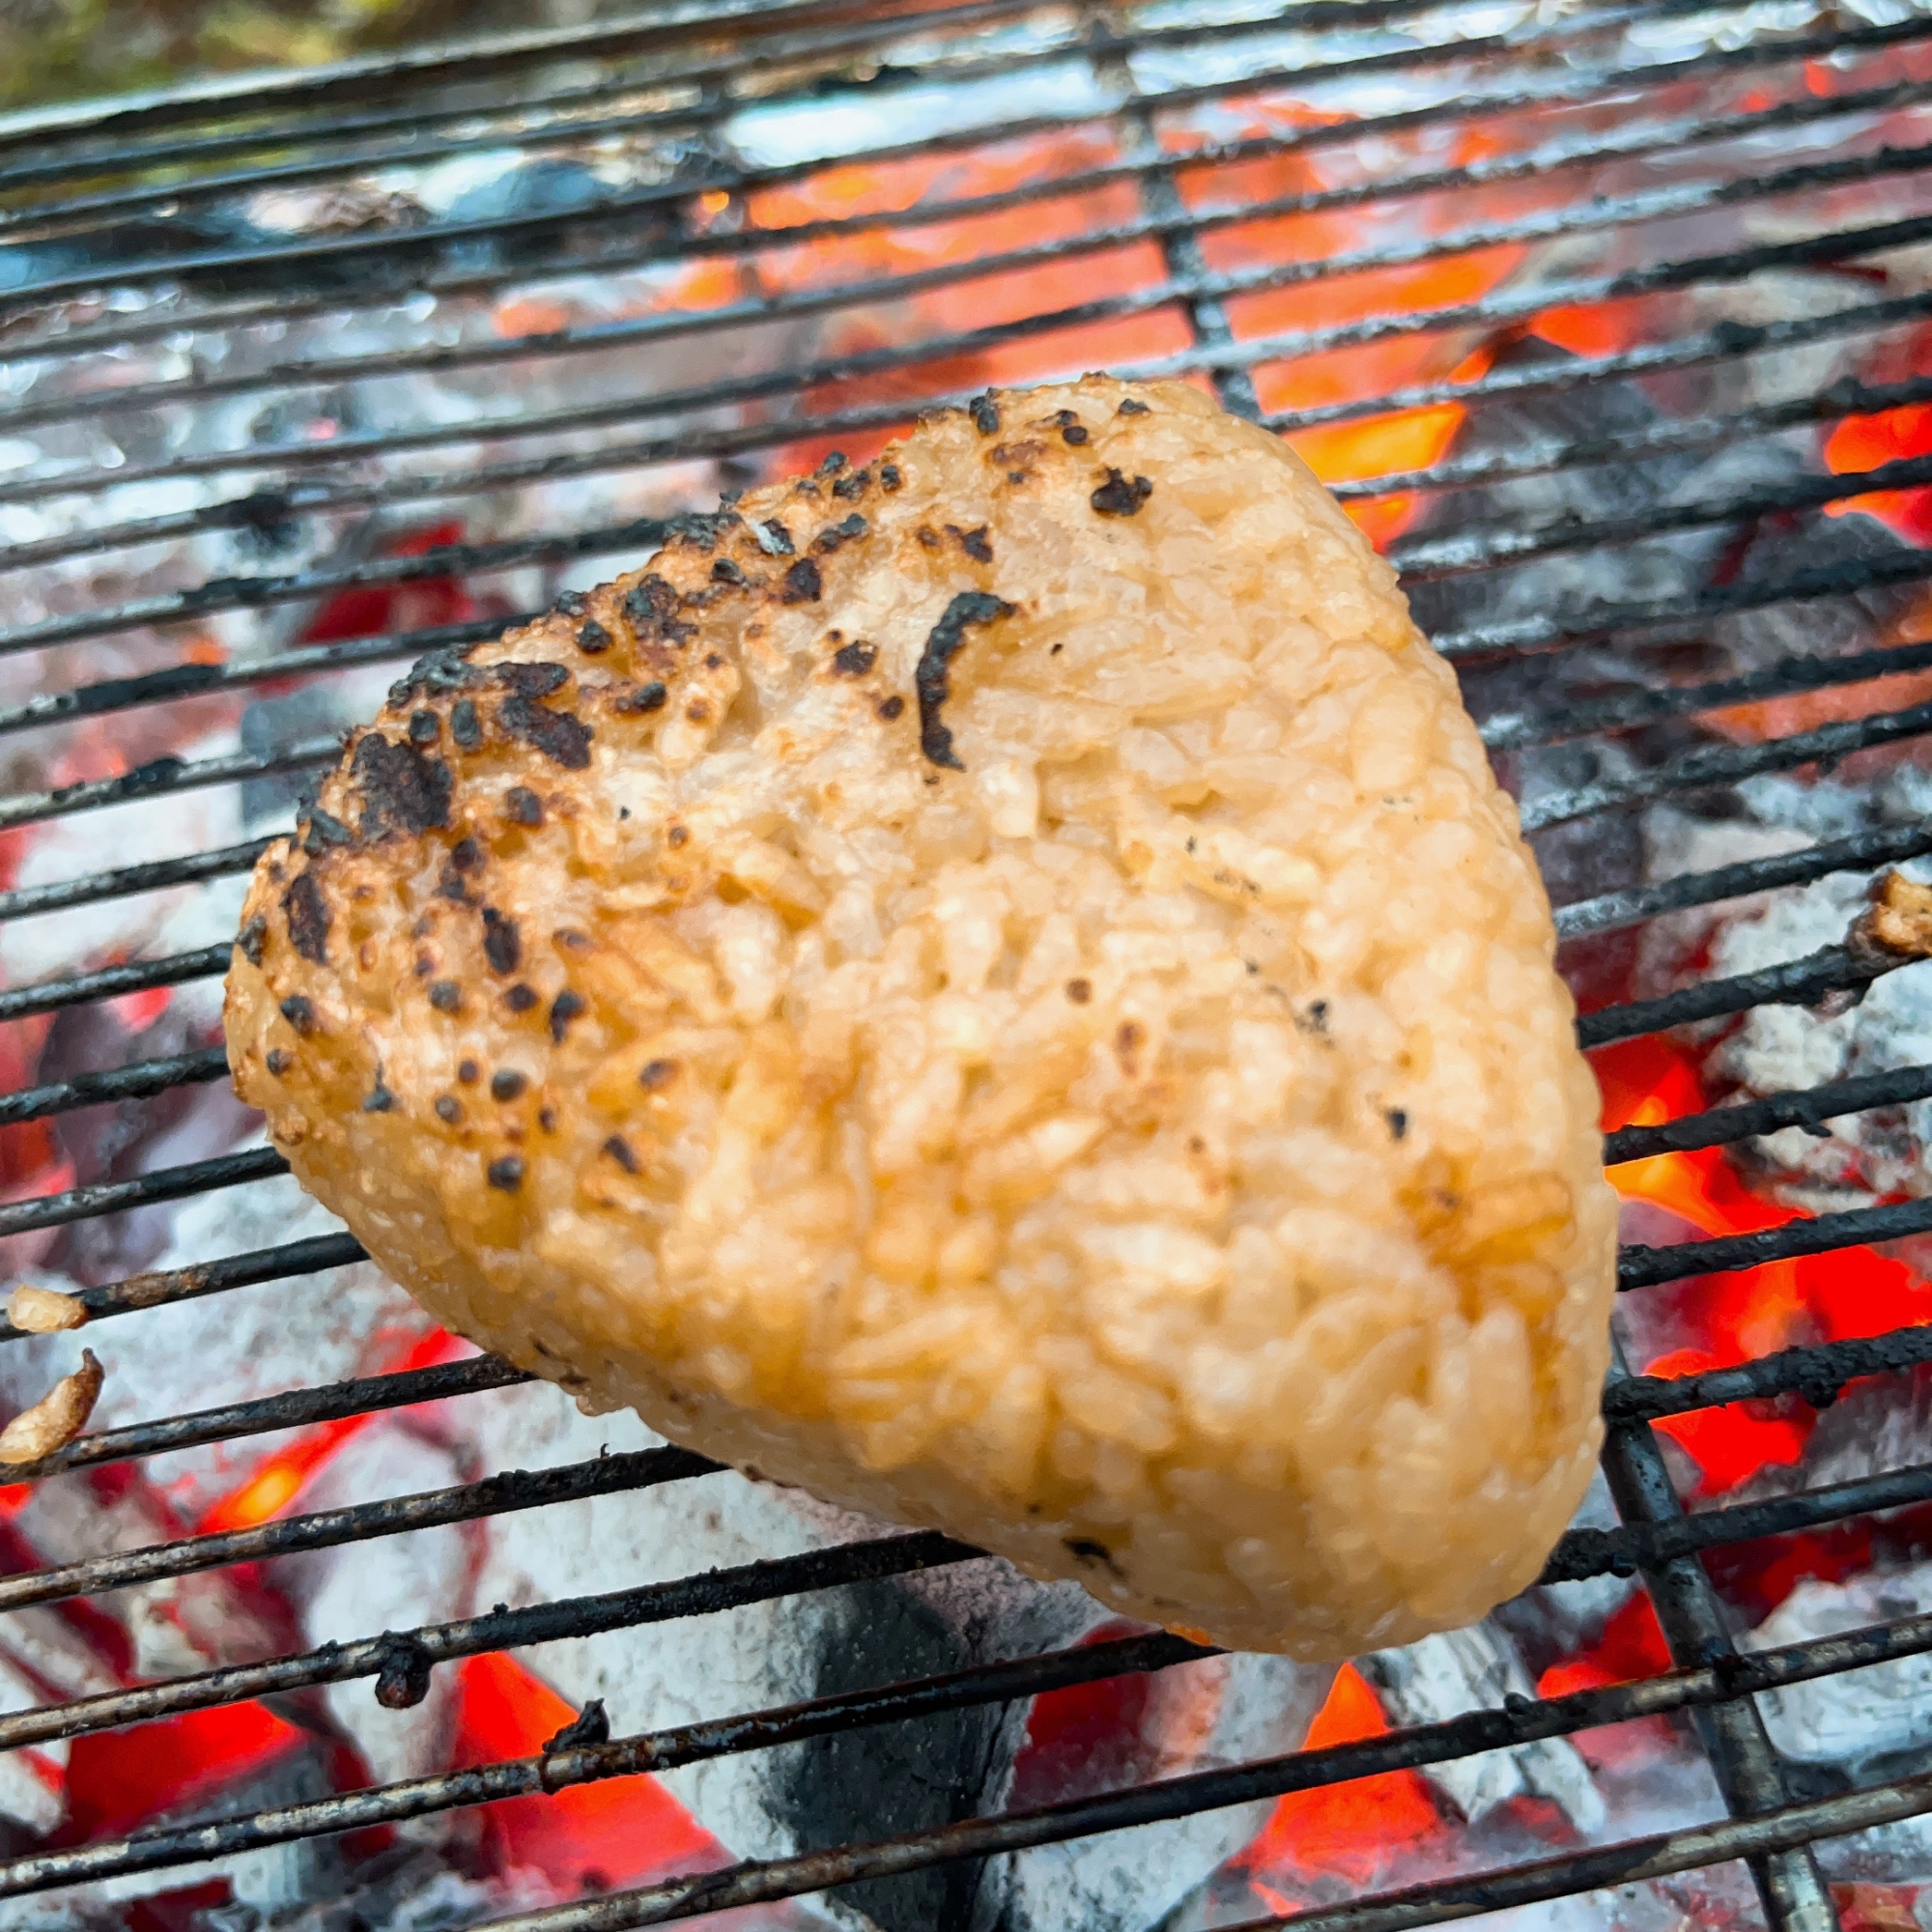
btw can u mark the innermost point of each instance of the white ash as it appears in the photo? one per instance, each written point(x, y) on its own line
point(871, 1782)
point(1224, 1711)
point(1857, 1720)
point(1856, 1158)
point(1475, 1669)
point(389, 1582)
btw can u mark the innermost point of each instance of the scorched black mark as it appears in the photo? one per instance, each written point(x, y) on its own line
point(802, 584)
point(985, 415)
point(522, 805)
point(1119, 498)
point(299, 1013)
point(592, 637)
point(646, 697)
point(854, 660)
point(562, 738)
point(402, 791)
point(322, 830)
point(249, 939)
point(465, 726)
point(501, 945)
point(564, 1008)
point(531, 680)
point(932, 681)
point(307, 913)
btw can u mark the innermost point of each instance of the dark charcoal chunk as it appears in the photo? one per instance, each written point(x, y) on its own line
point(652, 608)
point(564, 1008)
point(522, 805)
point(891, 707)
point(888, 475)
point(803, 585)
point(774, 539)
point(724, 571)
point(502, 945)
point(506, 1083)
point(974, 543)
point(307, 913)
point(592, 637)
point(854, 660)
point(465, 726)
point(562, 739)
point(620, 1151)
point(1131, 408)
point(850, 488)
point(278, 1060)
point(423, 728)
point(249, 939)
point(402, 791)
point(380, 1101)
point(522, 998)
point(931, 679)
point(646, 697)
point(467, 855)
point(1119, 498)
point(985, 414)
point(506, 1173)
point(446, 995)
point(299, 1014)
point(571, 604)
point(834, 461)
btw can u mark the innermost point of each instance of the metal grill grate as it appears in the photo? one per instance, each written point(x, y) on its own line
point(1683, 166)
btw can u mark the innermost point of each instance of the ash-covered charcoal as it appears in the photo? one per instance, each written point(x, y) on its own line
point(339, 1595)
point(1869, 1725)
point(883, 1780)
point(1477, 1669)
point(1856, 1158)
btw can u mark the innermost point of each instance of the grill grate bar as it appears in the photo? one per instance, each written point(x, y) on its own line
point(1495, 310)
point(663, 1750)
point(120, 331)
point(839, 37)
point(132, 694)
point(1639, 1266)
point(1795, 982)
point(141, 1080)
point(1162, 217)
point(513, 129)
point(430, 1644)
point(1805, 1107)
point(744, 180)
point(356, 1522)
point(1504, 543)
point(1750, 1773)
point(1788, 1828)
point(297, 1409)
point(125, 881)
point(1818, 1375)
point(114, 1197)
point(161, 778)
point(760, 1881)
point(1864, 851)
point(1649, 1546)
point(1602, 621)
point(1789, 677)
point(1726, 764)
point(161, 1287)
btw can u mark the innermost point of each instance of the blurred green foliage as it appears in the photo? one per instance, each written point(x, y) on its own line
point(54, 50)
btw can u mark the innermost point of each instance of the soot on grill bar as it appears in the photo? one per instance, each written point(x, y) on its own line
point(1612, 327)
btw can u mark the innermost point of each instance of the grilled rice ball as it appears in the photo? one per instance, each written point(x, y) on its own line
point(995, 986)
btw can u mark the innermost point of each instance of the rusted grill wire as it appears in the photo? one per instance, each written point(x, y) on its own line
point(80, 175)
